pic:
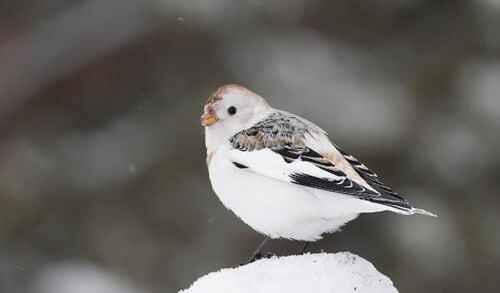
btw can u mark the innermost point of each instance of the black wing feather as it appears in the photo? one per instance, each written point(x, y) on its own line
point(387, 195)
point(344, 186)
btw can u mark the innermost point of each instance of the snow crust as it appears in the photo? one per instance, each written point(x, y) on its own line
point(320, 273)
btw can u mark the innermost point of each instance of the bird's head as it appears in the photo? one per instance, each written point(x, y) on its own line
point(230, 109)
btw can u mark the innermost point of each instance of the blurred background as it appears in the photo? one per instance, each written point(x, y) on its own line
point(103, 183)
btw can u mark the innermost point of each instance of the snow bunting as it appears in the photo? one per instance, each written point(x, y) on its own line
point(281, 174)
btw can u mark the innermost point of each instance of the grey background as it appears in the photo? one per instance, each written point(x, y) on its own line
point(103, 183)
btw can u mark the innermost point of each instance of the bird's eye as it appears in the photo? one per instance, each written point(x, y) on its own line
point(231, 110)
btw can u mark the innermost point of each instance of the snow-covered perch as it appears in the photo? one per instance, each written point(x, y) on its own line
point(320, 273)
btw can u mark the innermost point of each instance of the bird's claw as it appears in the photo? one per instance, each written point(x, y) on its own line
point(260, 255)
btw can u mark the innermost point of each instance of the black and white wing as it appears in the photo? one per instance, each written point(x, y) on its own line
point(289, 148)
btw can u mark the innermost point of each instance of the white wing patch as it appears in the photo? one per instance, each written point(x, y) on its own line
point(306, 168)
point(269, 163)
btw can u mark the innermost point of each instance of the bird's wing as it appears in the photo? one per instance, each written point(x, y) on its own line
point(289, 148)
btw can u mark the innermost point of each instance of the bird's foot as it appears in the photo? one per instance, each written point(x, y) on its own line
point(304, 248)
point(260, 255)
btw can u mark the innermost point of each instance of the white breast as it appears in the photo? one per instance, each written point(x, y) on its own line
point(276, 208)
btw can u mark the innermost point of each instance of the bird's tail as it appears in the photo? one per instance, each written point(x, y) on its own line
point(402, 207)
point(422, 212)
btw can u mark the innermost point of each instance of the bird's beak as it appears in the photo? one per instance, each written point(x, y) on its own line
point(208, 118)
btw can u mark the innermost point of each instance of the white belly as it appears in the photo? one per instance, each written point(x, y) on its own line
point(276, 208)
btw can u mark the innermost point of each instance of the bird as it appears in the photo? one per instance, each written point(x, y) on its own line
point(282, 175)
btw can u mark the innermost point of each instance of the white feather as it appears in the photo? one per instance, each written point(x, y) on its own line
point(275, 207)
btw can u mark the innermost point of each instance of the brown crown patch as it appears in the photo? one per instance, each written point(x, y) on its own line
point(217, 95)
point(214, 98)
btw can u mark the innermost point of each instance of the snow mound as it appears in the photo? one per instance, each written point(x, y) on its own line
point(320, 273)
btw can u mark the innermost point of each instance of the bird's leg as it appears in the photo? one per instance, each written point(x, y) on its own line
point(304, 248)
point(258, 252)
